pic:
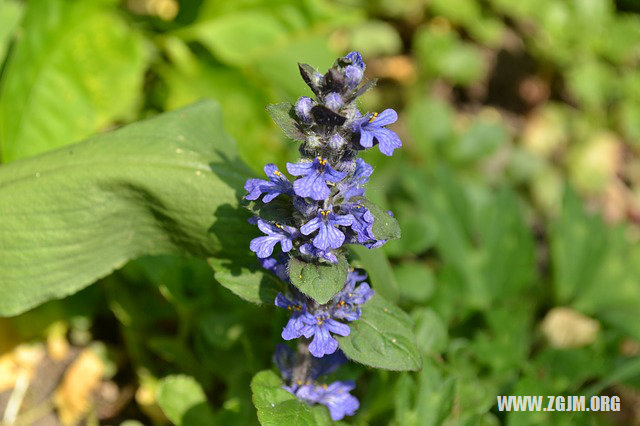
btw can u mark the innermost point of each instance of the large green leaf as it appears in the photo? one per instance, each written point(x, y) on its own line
point(10, 14)
point(377, 266)
point(166, 185)
point(183, 401)
point(382, 337)
point(248, 280)
point(278, 407)
point(76, 69)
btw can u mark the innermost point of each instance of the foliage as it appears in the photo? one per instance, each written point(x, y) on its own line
point(516, 192)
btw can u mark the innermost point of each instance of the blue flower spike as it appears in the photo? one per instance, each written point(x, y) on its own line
point(320, 210)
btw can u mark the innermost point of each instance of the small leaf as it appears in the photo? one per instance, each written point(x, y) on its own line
point(183, 401)
point(278, 210)
point(247, 280)
point(324, 116)
point(283, 115)
point(307, 71)
point(278, 407)
point(382, 338)
point(319, 281)
point(385, 227)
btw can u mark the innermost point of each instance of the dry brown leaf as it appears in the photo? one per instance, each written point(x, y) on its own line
point(74, 396)
point(566, 328)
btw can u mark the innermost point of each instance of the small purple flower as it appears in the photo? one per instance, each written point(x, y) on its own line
point(284, 357)
point(310, 250)
point(335, 396)
point(347, 302)
point(320, 325)
point(276, 185)
point(333, 101)
point(316, 174)
point(303, 108)
point(362, 221)
point(328, 235)
point(372, 127)
point(298, 309)
point(277, 266)
point(354, 186)
point(283, 234)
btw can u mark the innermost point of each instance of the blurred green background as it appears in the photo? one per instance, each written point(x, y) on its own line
point(517, 190)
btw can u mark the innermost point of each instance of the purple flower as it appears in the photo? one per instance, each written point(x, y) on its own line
point(320, 325)
point(347, 302)
point(335, 396)
point(298, 310)
point(277, 266)
point(316, 174)
point(362, 221)
point(372, 127)
point(283, 234)
point(303, 108)
point(310, 250)
point(284, 357)
point(276, 185)
point(354, 186)
point(328, 235)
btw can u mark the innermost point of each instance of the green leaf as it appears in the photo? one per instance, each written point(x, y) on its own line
point(377, 266)
point(282, 115)
point(77, 68)
point(278, 210)
point(183, 401)
point(320, 281)
point(259, 32)
point(418, 283)
point(510, 265)
point(278, 407)
point(166, 185)
point(10, 14)
point(382, 337)
point(247, 280)
point(578, 247)
point(385, 227)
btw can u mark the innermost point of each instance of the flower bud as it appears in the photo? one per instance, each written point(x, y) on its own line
point(336, 141)
point(352, 76)
point(303, 108)
point(333, 101)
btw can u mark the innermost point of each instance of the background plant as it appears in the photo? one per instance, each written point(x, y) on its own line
point(516, 191)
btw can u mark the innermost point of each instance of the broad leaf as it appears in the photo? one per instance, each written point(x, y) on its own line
point(377, 266)
point(278, 407)
point(183, 401)
point(278, 210)
point(10, 14)
point(320, 281)
point(166, 185)
point(382, 337)
point(385, 227)
point(247, 280)
point(76, 69)
point(282, 115)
